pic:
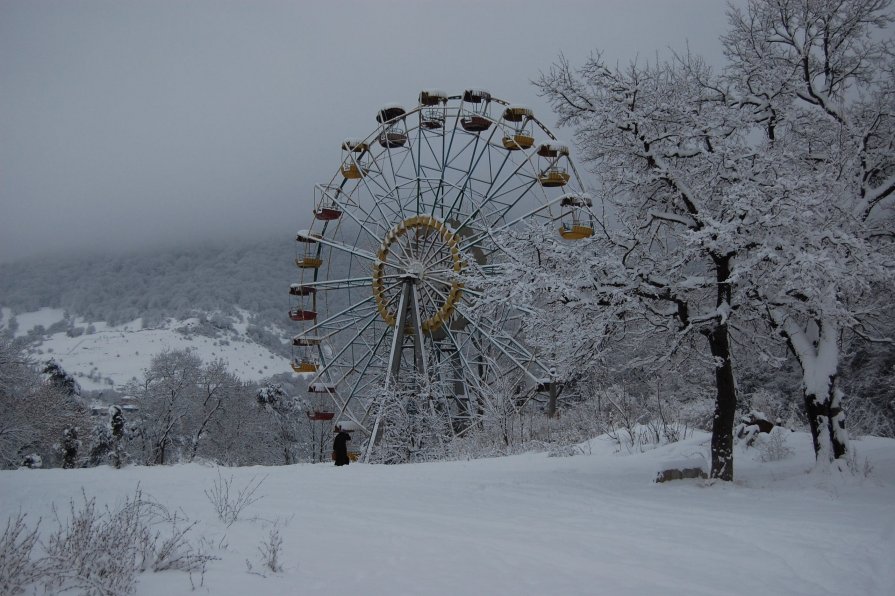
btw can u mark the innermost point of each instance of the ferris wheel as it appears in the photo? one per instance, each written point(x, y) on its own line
point(384, 297)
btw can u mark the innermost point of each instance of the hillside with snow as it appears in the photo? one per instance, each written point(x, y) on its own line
point(103, 317)
point(102, 356)
point(593, 523)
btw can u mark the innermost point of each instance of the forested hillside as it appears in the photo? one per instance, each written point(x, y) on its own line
point(154, 286)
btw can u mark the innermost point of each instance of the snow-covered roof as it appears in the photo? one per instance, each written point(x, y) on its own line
point(305, 340)
point(434, 93)
point(390, 112)
point(515, 113)
point(354, 144)
point(322, 387)
point(348, 426)
point(553, 149)
point(476, 95)
point(579, 199)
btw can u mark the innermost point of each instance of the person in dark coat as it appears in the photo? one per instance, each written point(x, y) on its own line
point(340, 448)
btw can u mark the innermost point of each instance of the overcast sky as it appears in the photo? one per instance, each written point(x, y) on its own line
point(125, 124)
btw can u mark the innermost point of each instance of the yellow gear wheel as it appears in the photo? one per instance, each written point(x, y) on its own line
point(427, 250)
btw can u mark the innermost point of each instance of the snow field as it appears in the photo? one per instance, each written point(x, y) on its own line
point(523, 525)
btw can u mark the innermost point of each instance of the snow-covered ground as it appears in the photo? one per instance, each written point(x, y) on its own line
point(594, 523)
point(110, 356)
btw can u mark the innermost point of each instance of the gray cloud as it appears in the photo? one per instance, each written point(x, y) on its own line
point(128, 124)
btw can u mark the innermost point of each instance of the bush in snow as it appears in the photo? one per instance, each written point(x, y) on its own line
point(108, 440)
point(17, 570)
point(229, 502)
point(60, 379)
point(270, 551)
point(69, 448)
point(33, 461)
point(101, 552)
point(773, 446)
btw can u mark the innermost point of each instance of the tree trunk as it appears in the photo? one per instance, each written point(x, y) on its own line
point(816, 348)
point(726, 396)
point(725, 405)
point(827, 421)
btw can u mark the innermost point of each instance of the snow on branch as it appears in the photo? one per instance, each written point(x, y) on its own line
point(674, 218)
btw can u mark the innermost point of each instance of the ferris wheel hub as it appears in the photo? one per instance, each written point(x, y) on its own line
point(417, 269)
point(426, 251)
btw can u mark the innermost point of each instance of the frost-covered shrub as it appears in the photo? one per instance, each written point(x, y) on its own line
point(32, 460)
point(228, 501)
point(70, 447)
point(17, 570)
point(101, 552)
point(271, 550)
point(773, 446)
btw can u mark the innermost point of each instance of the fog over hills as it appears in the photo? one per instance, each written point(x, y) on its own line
point(153, 286)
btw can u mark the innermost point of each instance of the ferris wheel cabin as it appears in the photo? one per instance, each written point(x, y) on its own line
point(297, 313)
point(518, 119)
point(327, 208)
point(575, 207)
point(432, 115)
point(475, 105)
point(353, 166)
point(303, 367)
point(300, 290)
point(552, 174)
point(308, 259)
point(392, 134)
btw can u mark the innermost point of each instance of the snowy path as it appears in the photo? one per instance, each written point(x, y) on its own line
point(590, 524)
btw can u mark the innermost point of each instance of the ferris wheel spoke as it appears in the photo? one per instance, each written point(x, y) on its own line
point(349, 344)
point(465, 187)
point(406, 251)
point(335, 327)
point(488, 200)
point(425, 171)
point(347, 248)
point(469, 243)
point(445, 162)
point(367, 365)
point(436, 261)
point(433, 244)
point(522, 357)
point(349, 208)
point(343, 284)
point(365, 303)
point(377, 197)
point(467, 366)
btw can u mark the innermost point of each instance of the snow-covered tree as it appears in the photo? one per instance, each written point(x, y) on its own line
point(60, 379)
point(107, 444)
point(164, 395)
point(70, 446)
point(215, 386)
point(36, 414)
point(414, 426)
point(820, 85)
point(765, 188)
point(673, 160)
point(285, 418)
